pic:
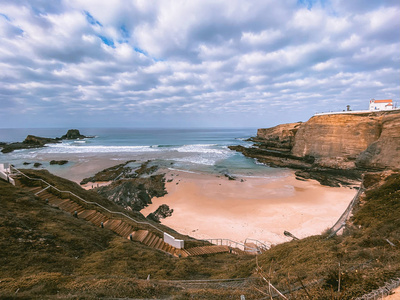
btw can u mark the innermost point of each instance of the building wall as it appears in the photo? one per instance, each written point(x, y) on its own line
point(379, 106)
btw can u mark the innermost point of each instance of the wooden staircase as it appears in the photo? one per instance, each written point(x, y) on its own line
point(121, 227)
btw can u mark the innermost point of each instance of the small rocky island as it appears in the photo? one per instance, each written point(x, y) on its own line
point(32, 141)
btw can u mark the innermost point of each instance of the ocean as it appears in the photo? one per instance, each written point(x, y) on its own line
point(191, 150)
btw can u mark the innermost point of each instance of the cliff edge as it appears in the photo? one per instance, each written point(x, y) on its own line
point(333, 145)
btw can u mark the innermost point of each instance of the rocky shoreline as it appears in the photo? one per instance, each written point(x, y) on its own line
point(332, 149)
point(132, 185)
point(32, 141)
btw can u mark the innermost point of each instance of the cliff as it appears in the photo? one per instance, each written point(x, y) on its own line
point(341, 144)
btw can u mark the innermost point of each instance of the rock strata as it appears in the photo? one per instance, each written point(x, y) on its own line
point(334, 149)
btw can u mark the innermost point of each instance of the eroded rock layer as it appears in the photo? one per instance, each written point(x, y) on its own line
point(347, 144)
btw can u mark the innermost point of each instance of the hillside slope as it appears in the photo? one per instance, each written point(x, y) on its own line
point(362, 255)
point(46, 252)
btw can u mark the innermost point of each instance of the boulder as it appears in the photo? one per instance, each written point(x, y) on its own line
point(73, 134)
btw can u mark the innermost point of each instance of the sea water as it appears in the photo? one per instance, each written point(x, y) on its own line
point(191, 150)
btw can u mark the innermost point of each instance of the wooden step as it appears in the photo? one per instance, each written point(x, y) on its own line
point(154, 241)
point(140, 235)
point(121, 228)
point(101, 219)
point(112, 224)
point(86, 214)
point(151, 240)
point(127, 231)
point(35, 189)
point(90, 215)
point(251, 248)
point(148, 238)
point(158, 244)
point(207, 250)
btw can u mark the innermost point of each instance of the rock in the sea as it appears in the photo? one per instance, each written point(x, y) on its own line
point(36, 164)
point(73, 134)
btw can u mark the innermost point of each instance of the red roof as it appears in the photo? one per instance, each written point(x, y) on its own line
point(382, 101)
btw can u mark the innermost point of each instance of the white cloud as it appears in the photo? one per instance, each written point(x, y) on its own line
point(190, 57)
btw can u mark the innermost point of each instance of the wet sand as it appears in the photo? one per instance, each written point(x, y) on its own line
point(206, 206)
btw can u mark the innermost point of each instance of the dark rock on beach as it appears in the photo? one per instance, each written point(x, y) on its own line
point(113, 173)
point(58, 162)
point(135, 193)
point(133, 186)
point(162, 212)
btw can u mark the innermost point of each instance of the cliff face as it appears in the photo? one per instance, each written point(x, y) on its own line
point(384, 153)
point(333, 145)
point(337, 140)
point(281, 136)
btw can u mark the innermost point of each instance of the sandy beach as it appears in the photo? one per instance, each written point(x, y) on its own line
point(207, 206)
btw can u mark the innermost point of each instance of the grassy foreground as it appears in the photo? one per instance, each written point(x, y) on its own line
point(46, 254)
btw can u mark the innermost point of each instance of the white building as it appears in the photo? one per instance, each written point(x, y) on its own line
point(380, 104)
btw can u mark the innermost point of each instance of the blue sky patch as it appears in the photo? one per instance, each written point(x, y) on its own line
point(5, 17)
point(107, 41)
point(92, 20)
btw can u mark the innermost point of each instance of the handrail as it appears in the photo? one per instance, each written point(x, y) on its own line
point(257, 242)
point(245, 248)
point(229, 242)
point(90, 202)
point(341, 222)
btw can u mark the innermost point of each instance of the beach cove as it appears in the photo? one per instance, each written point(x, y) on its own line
point(261, 203)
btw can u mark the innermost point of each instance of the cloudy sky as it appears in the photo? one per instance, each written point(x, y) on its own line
point(193, 63)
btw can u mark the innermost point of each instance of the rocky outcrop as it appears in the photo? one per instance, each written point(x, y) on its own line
point(162, 212)
point(32, 141)
point(280, 137)
point(331, 148)
point(135, 193)
point(132, 185)
point(73, 134)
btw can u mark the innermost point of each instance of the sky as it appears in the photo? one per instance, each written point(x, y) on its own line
point(193, 63)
